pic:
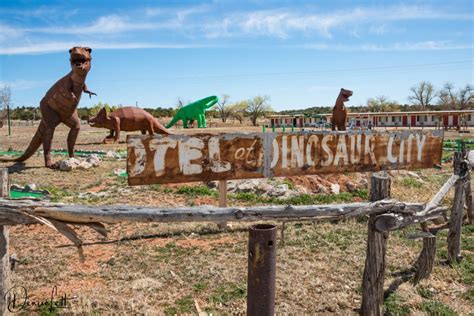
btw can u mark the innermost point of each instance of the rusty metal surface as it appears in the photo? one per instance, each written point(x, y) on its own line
point(261, 270)
point(204, 157)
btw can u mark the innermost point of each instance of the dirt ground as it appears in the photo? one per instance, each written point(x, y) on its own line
point(157, 268)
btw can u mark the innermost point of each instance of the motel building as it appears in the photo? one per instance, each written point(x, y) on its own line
point(455, 119)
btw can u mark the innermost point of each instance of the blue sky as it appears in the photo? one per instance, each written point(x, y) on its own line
point(300, 53)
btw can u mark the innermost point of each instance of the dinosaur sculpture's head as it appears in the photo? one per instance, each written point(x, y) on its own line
point(99, 120)
point(80, 60)
point(344, 95)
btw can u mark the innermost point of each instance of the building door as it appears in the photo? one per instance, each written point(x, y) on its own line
point(455, 120)
point(445, 121)
point(404, 120)
point(413, 120)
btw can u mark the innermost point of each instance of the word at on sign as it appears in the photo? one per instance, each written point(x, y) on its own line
point(203, 157)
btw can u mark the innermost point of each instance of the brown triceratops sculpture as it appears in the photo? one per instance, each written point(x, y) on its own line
point(126, 119)
point(339, 112)
point(59, 105)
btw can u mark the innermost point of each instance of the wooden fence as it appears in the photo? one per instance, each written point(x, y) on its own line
point(384, 214)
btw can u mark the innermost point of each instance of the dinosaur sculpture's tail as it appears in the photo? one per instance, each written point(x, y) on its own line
point(35, 143)
point(158, 128)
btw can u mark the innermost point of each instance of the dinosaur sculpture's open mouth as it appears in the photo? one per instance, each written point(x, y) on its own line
point(346, 94)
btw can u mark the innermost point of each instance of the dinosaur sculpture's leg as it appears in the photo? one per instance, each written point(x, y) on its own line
point(150, 129)
point(116, 126)
point(185, 123)
point(51, 119)
point(74, 124)
point(203, 120)
point(199, 121)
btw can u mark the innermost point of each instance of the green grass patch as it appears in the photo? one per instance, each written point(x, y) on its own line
point(437, 308)
point(424, 292)
point(198, 190)
point(172, 252)
point(411, 182)
point(226, 293)
point(56, 194)
point(302, 199)
point(183, 305)
point(394, 306)
point(199, 287)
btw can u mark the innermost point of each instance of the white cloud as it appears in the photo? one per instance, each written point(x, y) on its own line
point(415, 46)
point(281, 22)
point(50, 47)
point(21, 84)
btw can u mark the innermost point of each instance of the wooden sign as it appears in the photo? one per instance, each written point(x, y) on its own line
point(204, 157)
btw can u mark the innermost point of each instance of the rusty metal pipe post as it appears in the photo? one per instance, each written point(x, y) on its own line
point(261, 270)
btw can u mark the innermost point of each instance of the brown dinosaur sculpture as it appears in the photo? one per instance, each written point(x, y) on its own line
point(126, 119)
point(59, 105)
point(339, 112)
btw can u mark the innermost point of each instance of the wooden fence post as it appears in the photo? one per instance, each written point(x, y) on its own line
point(455, 221)
point(372, 284)
point(222, 200)
point(4, 252)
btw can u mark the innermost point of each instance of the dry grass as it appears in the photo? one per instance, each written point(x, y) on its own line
point(166, 268)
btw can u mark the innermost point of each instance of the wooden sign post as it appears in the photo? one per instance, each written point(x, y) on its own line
point(204, 157)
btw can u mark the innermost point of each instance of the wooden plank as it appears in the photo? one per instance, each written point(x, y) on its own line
point(17, 212)
point(204, 157)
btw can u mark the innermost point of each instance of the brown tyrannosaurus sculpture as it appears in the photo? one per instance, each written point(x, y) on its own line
point(126, 119)
point(339, 112)
point(59, 105)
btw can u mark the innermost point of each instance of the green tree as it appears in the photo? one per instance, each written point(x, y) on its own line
point(382, 104)
point(257, 107)
point(237, 111)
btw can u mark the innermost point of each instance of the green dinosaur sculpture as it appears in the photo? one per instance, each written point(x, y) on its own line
point(194, 111)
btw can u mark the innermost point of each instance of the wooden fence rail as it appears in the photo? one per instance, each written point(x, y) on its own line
point(384, 215)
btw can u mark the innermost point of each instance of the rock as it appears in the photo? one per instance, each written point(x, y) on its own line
point(247, 185)
point(279, 190)
point(84, 165)
point(231, 186)
point(335, 188)
point(322, 189)
point(94, 160)
point(68, 164)
point(350, 186)
point(111, 154)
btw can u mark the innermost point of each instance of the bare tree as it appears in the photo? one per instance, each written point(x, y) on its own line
point(5, 103)
point(223, 107)
point(257, 107)
point(466, 97)
point(448, 99)
point(423, 94)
